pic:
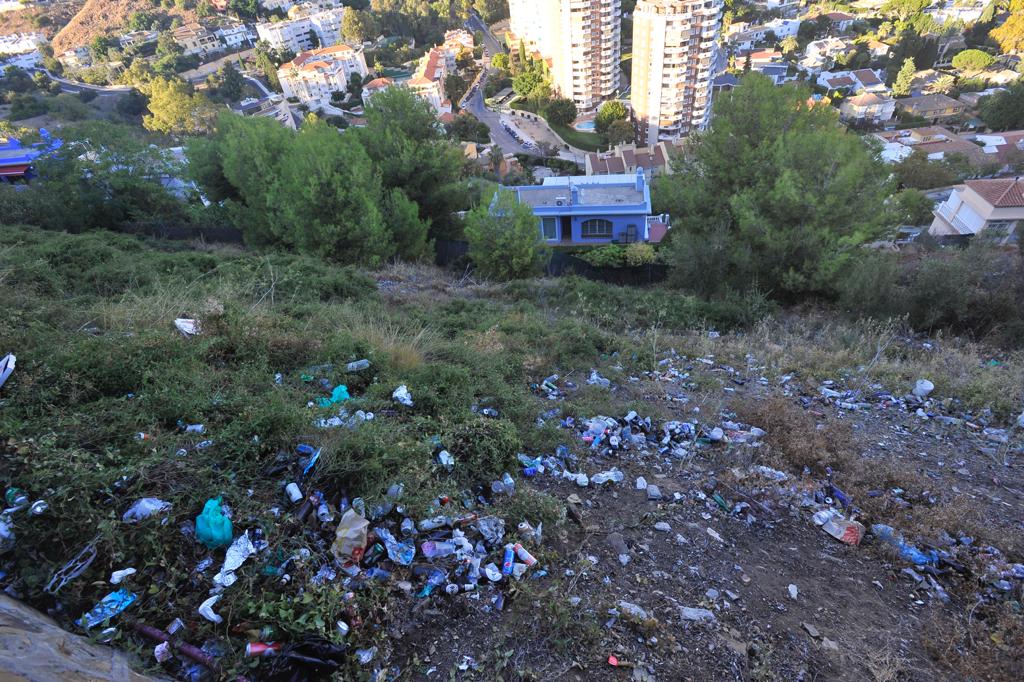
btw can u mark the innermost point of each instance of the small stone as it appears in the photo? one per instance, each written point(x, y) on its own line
point(574, 601)
point(617, 543)
point(1020, 421)
point(698, 615)
point(574, 499)
point(811, 630)
point(653, 493)
point(713, 533)
point(712, 594)
point(828, 645)
point(793, 592)
point(716, 434)
point(662, 526)
point(641, 483)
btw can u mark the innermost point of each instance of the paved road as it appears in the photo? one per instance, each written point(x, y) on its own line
point(77, 86)
point(492, 119)
point(491, 44)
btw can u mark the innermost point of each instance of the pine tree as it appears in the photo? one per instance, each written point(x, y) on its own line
point(904, 79)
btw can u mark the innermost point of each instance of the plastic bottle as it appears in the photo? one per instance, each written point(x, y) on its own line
point(433, 523)
point(435, 577)
point(889, 536)
point(432, 549)
point(506, 485)
point(357, 366)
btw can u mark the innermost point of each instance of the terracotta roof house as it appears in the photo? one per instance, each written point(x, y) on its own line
point(990, 207)
point(627, 158)
point(867, 107)
point(934, 108)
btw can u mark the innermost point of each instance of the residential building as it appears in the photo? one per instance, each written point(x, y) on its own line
point(196, 39)
point(315, 74)
point(860, 80)
point(428, 81)
point(21, 42)
point(286, 5)
point(745, 36)
point(579, 40)
point(724, 81)
point(595, 209)
point(138, 38)
point(777, 71)
point(841, 21)
point(989, 207)
point(23, 60)
point(458, 39)
point(956, 10)
point(972, 99)
point(673, 60)
point(275, 107)
point(933, 108)
point(819, 55)
point(237, 36)
point(76, 58)
point(627, 158)
point(376, 85)
point(878, 49)
point(298, 34)
point(16, 160)
point(992, 152)
point(867, 107)
point(757, 58)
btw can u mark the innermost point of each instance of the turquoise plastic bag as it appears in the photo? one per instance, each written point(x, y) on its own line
point(338, 395)
point(213, 528)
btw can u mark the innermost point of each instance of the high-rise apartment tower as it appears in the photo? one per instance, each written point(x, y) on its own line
point(578, 39)
point(673, 66)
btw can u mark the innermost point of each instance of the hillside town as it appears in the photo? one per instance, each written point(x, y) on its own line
point(512, 339)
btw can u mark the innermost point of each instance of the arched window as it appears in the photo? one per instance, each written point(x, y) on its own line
point(596, 228)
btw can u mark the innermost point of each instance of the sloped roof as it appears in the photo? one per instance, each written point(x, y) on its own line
point(1001, 193)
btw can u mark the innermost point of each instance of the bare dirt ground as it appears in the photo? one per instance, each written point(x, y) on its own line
point(857, 613)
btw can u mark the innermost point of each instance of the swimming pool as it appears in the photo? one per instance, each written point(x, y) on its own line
point(585, 125)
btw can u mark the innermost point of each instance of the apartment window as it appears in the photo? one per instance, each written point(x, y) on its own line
point(549, 227)
point(596, 228)
point(999, 227)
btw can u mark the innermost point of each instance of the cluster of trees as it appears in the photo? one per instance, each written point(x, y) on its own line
point(612, 121)
point(1004, 110)
point(792, 196)
point(105, 175)
point(363, 197)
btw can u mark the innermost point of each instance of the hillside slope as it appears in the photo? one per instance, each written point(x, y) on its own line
point(710, 567)
point(106, 17)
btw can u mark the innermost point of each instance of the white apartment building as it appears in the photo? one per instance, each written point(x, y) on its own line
point(578, 39)
point(75, 58)
point(428, 81)
point(313, 75)
point(285, 5)
point(673, 66)
point(138, 38)
point(294, 34)
point(20, 42)
point(239, 35)
point(744, 36)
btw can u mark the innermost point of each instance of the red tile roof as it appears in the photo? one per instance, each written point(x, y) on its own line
point(1001, 193)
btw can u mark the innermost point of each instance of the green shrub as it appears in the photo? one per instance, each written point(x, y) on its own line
point(640, 253)
point(611, 256)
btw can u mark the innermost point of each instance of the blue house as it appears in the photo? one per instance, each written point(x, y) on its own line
point(593, 209)
point(16, 159)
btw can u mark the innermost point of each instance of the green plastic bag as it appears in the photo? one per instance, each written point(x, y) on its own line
point(338, 395)
point(213, 528)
